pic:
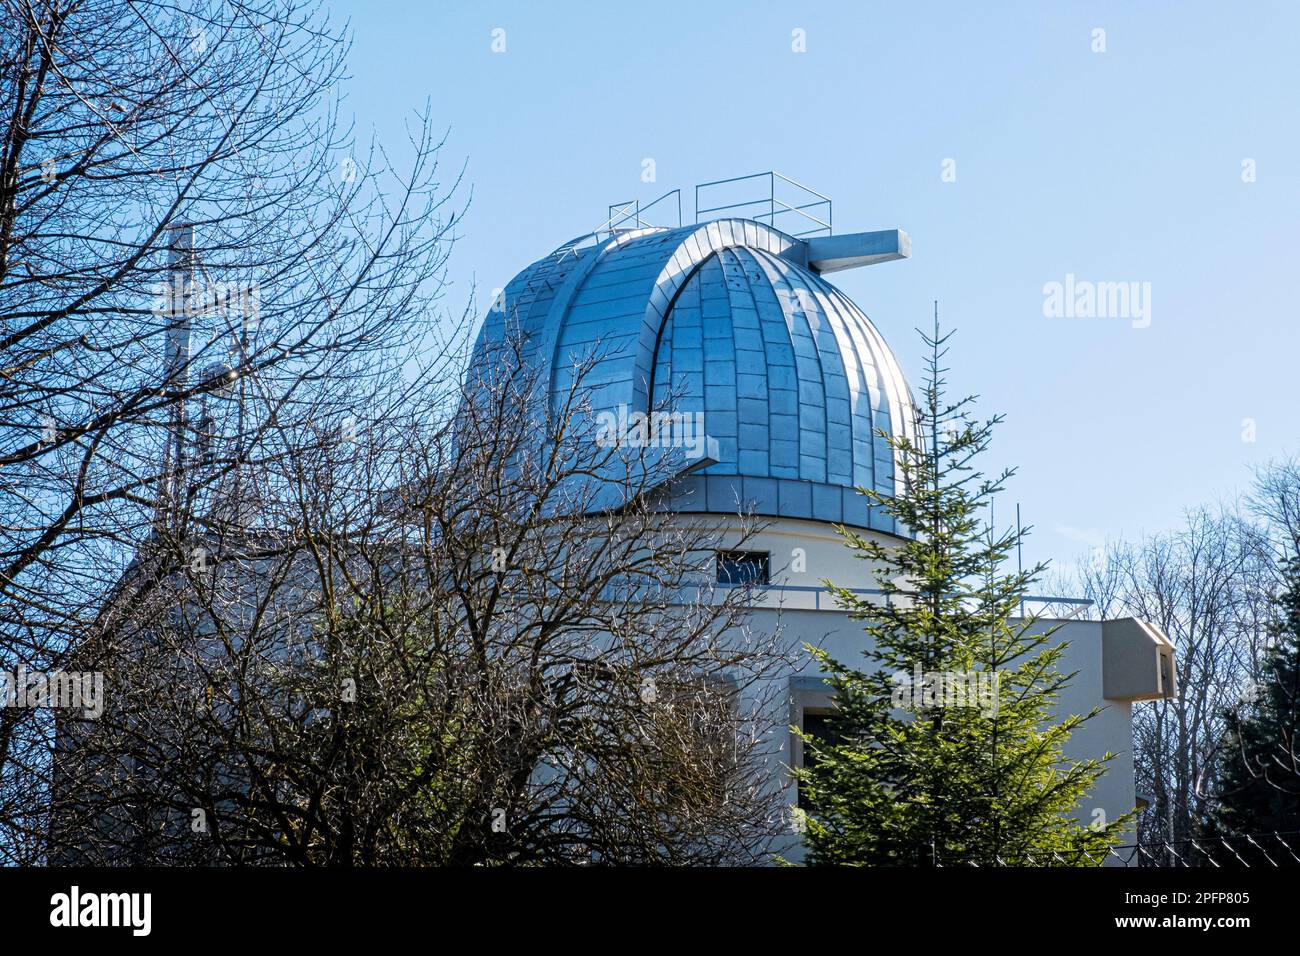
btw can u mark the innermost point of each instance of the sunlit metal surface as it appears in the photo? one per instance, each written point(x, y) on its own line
point(723, 318)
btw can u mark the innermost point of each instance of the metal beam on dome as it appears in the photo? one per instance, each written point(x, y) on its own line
point(856, 249)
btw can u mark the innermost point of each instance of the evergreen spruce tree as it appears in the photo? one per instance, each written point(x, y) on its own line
point(1258, 785)
point(912, 771)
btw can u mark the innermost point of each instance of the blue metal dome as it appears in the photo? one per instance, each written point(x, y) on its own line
point(729, 319)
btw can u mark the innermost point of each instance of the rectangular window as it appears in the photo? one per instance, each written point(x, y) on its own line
point(738, 568)
point(819, 725)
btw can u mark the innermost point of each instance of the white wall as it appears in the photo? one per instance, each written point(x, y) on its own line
point(827, 558)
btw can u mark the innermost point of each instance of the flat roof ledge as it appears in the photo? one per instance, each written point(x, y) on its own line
point(856, 249)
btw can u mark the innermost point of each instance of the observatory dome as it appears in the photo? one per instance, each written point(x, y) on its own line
point(729, 319)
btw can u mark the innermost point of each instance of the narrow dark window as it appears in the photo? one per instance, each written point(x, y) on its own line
point(736, 568)
point(820, 726)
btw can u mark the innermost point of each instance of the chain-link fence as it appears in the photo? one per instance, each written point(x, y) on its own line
point(1222, 852)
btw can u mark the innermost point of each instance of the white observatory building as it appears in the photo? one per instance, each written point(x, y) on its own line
point(739, 320)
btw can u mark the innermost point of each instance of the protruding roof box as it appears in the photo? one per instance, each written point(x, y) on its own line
point(1137, 661)
point(837, 253)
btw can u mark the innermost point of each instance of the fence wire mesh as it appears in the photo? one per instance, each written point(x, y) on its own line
point(1267, 850)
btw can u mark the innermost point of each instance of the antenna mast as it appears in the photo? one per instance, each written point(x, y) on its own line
point(176, 360)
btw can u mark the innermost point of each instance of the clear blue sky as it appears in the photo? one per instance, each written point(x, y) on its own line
point(1114, 166)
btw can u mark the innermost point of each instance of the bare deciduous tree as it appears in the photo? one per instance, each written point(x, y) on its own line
point(1209, 586)
point(350, 608)
point(190, 249)
point(454, 639)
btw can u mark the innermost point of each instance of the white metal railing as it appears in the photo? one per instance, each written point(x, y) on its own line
point(803, 199)
point(780, 592)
